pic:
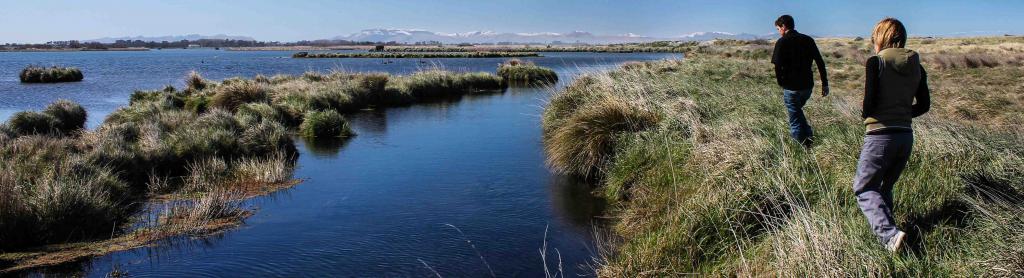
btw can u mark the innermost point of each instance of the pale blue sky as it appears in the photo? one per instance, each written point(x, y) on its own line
point(45, 20)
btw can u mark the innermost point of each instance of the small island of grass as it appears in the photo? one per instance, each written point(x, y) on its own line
point(54, 74)
point(519, 72)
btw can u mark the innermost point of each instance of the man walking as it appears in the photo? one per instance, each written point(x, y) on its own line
point(792, 57)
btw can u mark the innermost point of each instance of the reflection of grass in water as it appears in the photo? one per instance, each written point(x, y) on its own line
point(64, 184)
point(325, 147)
point(695, 157)
point(575, 200)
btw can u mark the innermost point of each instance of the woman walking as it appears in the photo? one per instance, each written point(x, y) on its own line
point(894, 80)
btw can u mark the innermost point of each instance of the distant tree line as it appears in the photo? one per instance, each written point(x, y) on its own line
point(74, 44)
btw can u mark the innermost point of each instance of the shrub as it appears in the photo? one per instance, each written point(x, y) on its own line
point(68, 116)
point(324, 124)
point(520, 72)
point(230, 96)
point(37, 74)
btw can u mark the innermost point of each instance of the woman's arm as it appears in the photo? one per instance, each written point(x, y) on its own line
point(871, 86)
point(922, 96)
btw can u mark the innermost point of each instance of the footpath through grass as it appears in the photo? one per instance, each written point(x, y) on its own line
point(696, 157)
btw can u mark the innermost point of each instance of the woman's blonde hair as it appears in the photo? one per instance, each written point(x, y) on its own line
point(889, 33)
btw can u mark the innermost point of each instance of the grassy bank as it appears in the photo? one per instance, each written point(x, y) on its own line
point(54, 74)
point(523, 72)
point(696, 157)
point(422, 55)
point(69, 192)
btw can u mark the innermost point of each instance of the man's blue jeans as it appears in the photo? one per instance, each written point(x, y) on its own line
point(798, 127)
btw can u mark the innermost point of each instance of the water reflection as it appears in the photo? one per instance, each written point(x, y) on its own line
point(324, 147)
point(576, 201)
point(376, 204)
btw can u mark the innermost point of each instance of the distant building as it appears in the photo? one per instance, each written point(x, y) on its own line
point(194, 46)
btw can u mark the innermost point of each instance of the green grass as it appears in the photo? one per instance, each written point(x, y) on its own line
point(324, 125)
point(416, 55)
point(37, 74)
point(695, 156)
point(62, 183)
point(519, 72)
point(61, 117)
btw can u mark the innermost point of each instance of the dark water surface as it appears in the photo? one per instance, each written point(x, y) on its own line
point(400, 199)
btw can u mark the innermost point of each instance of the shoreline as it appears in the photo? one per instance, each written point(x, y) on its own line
point(74, 49)
point(246, 172)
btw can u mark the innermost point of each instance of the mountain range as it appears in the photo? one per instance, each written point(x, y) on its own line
point(191, 37)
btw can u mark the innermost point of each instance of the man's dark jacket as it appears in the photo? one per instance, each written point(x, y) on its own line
point(793, 55)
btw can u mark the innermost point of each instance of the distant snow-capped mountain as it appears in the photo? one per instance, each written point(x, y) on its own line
point(415, 35)
point(191, 37)
point(707, 36)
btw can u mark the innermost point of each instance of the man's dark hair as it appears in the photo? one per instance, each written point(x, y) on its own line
point(785, 21)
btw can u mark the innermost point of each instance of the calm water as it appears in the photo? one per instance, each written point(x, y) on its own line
point(400, 199)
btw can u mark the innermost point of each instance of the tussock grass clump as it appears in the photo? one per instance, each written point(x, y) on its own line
point(587, 139)
point(195, 82)
point(232, 95)
point(37, 74)
point(69, 115)
point(324, 125)
point(518, 71)
point(434, 84)
point(972, 60)
point(712, 183)
point(62, 117)
point(50, 200)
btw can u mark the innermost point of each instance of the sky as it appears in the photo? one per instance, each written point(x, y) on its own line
point(48, 20)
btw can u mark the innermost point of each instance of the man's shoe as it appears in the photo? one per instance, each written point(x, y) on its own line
point(807, 143)
point(895, 242)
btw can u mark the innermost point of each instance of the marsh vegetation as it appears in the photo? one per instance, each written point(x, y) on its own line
point(53, 74)
point(524, 72)
point(696, 158)
point(209, 145)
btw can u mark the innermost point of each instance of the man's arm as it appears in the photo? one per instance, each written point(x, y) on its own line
point(871, 86)
point(821, 67)
point(922, 96)
point(779, 61)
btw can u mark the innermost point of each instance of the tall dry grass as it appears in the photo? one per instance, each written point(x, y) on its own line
point(715, 186)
